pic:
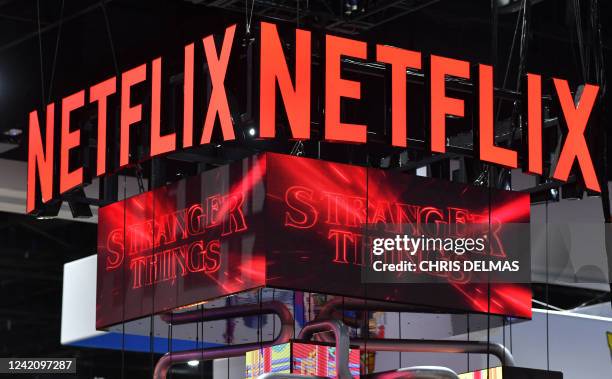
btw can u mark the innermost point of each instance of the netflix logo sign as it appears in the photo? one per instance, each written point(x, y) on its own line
point(286, 222)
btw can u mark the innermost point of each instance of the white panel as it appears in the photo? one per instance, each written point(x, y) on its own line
point(79, 300)
point(235, 369)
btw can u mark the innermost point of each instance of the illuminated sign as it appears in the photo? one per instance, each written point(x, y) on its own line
point(285, 222)
point(294, 88)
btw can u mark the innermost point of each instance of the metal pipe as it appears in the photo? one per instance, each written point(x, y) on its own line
point(417, 372)
point(408, 345)
point(278, 375)
point(341, 338)
point(212, 314)
point(286, 333)
point(340, 303)
point(436, 346)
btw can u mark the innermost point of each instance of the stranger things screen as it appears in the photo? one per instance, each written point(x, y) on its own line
point(286, 222)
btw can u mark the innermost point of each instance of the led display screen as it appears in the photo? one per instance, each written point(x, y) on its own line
point(298, 358)
point(285, 222)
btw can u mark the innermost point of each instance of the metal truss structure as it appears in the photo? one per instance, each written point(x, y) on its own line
point(329, 15)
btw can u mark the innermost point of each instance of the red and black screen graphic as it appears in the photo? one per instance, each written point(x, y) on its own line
point(320, 209)
point(285, 222)
point(181, 244)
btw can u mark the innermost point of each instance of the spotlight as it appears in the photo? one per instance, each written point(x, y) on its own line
point(544, 195)
point(13, 132)
point(252, 132)
point(193, 363)
point(10, 139)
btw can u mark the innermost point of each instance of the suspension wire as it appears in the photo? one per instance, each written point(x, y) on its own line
point(249, 15)
point(123, 279)
point(603, 167)
point(342, 310)
point(57, 41)
point(259, 321)
point(600, 74)
point(110, 35)
point(170, 337)
point(490, 188)
point(40, 52)
point(504, 337)
point(399, 314)
point(293, 296)
point(578, 19)
point(273, 317)
point(367, 218)
point(515, 117)
point(491, 182)
point(510, 321)
point(202, 329)
point(152, 317)
point(510, 54)
point(468, 338)
point(546, 288)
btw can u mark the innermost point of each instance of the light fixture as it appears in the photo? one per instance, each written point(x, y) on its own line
point(13, 132)
point(193, 363)
point(252, 132)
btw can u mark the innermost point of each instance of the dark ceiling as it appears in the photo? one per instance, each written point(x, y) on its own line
point(85, 41)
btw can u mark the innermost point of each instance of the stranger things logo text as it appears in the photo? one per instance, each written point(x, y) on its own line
point(187, 241)
point(432, 239)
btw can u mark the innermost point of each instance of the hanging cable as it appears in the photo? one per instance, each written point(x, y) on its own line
point(491, 182)
point(57, 41)
point(152, 322)
point(524, 17)
point(249, 15)
point(578, 19)
point(509, 60)
point(367, 218)
point(490, 188)
point(468, 338)
point(202, 348)
point(399, 316)
point(40, 52)
point(110, 36)
point(504, 337)
point(510, 321)
point(547, 294)
point(123, 280)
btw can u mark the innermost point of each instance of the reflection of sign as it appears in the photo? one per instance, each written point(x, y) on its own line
point(176, 243)
point(283, 222)
point(180, 244)
point(297, 97)
point(324, 206)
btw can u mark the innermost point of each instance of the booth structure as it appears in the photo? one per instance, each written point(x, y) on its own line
point(298, 193)
point(261, 267)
